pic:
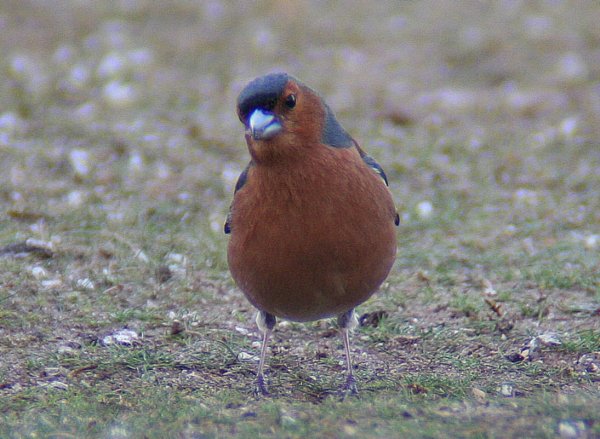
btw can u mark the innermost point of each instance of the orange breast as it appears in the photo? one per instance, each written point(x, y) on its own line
point(313, 240)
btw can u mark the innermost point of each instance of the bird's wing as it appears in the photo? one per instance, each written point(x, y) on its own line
point(238, 185)
point(378, 169)
point(372, 163)
point(375, 167)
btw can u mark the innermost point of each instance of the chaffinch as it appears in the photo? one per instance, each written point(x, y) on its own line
point(312, 220)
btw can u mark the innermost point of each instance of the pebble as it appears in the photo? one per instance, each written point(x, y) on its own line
point(549, 339)
point(425, 209)
point(478, 394)
point(39, 272)
point(124, 337)
point(242, 330)
point(507, 389)
point(51, 283)
point(571, 429)
point(118, 94)
point(86, 284)
point(245, 356)
point(591, 241)
point(80, 161)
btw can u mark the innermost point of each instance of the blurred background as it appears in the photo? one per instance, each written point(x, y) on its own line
point(139, 96)
point(119, 117)
point(120, 148)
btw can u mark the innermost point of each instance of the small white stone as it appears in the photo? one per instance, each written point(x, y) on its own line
point(63, 54)
point(65, 349)
point(86, 112)
point(549, 339)
point(39, 227)
point(265, 39)
point(507, 389)
point(112, 65)
point(39, 272)
point(118, 94)
point(115, 217)
point(230, 174)
point(51, 283)
point(142, 256)
point(529, 245)
point(176, 258)
point(85, 283)
point(59, 385)
point(184, 196)
point(488, 288)
point(79, 76)
point(568, 127)
point(20, 64)
point(525, 196)
point(107, 272)
point(245, 356)
point(140, 57)
point(572, 67)
point(135, 163)
point(125, 337)
point(478, 394)
point(11, 123)
point(571, 429)
point(425, 209)
point(76, 198)
point(242, 330)
point(216, 226)
point(591, 241)
point(33, 73)
point(455, 99)
point(163, 171)
point(80, 161)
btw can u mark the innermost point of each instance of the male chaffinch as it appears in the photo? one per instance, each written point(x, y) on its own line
point(312, 220)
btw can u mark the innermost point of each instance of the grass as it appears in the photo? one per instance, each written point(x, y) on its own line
point(378, 416)
point(119, 149)
point(583, 342)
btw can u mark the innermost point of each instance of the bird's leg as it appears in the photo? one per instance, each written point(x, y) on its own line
point(266, 323)
point(347, 322)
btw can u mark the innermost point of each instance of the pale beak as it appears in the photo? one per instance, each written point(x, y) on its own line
point(263, 124)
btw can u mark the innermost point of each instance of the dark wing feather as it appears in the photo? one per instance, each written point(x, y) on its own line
point(375, 167)
point(238, 185)
point(372, 163)
point(378, 169)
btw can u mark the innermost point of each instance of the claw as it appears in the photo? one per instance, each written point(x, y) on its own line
point(350, 385)
point(261, 389)
point(349, 388)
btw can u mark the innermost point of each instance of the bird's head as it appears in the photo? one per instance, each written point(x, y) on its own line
point(285, 118)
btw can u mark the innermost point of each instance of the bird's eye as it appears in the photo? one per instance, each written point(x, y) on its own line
point(290, 101)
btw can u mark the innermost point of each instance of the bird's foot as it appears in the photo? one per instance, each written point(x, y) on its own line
point(349, 387)
point(261, 388)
